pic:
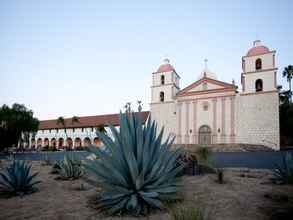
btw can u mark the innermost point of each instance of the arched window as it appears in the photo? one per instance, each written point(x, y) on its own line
point(258, 85)
point(162, 96)
point(162, 79)
point(258, 64)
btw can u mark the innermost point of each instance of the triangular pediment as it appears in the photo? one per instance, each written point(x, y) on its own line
point(204, 85)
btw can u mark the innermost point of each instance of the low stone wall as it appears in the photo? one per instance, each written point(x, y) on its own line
point(225, 147)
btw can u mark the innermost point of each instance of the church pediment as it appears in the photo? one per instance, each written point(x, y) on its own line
point(206, 85)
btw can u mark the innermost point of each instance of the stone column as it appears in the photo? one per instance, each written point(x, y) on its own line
point(187, 122)
point(195, 137)
point(232, 99)
point(179, 109)
point(223, 120)
point(214, 140)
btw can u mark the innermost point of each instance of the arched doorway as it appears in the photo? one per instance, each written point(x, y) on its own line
point(69, 142)
point(77, 142)
point(60, 142)
point(46, 142)
point(53, 142)
point(87, 142)
point(97, 141)
point(39, 142)
point(205, 135)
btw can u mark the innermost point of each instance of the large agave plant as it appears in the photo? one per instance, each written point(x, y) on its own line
point(17, 179)
point(284, 173)
point(69, 168)
point(136, 171)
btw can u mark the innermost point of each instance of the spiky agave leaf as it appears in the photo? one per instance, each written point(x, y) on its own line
point(70, 168)
point(17, 179)
point(137, 170)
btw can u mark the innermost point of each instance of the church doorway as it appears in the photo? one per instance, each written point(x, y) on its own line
point(205, 135)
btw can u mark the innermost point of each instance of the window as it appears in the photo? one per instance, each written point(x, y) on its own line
point(92, 128)
point(204, 86)
point(82, 129)
point(205, 106)
point(258, 64)
point(57, 130)
point(73, 130)
point(162, 79)
point(258, 85)
point(50, 130)
point(162, 96)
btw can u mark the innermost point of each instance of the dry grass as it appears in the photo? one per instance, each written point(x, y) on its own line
point(241, 197)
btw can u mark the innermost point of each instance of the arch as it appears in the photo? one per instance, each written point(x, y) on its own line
point(39, 142)
point(162, 96)
point(69, 142)
point(97, 141)
point(33, 143)
point(46, 142)
point(205, 135)
point(53, 142)
point(162, 79)
point(77, 142)
point(60, 143)
point(258, 64)
point(258, 85)
point(87, 141)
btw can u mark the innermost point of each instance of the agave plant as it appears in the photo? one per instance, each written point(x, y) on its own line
point(137, 171)
point(17, 179)
point(69, 168)
point(284, 173)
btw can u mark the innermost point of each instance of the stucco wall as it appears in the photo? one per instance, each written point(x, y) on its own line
point(257, 119)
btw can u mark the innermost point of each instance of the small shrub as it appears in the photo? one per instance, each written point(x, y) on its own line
point(55, 168)
point(190, 163)
point(220, 175)
point(17, 179)
point(204, 155)
point(69, 168)
point(187, 213)
point(284, 173)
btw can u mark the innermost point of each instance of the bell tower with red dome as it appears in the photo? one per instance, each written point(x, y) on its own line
point(259, 70)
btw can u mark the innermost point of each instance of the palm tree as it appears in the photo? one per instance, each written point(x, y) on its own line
point(61, 121)
point(288, 73)
point(74, 119)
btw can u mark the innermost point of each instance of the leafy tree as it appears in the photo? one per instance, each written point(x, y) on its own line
point(15, 122)
point(74, 120)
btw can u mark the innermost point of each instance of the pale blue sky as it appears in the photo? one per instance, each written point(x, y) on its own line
point(64, 58)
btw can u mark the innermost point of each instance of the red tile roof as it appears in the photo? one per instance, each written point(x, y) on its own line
point(87, 121)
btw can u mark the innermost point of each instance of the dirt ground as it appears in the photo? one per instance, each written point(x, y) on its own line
point(241, 197)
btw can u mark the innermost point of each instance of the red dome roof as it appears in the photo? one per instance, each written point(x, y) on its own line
point(258, 50)
point(165, 68)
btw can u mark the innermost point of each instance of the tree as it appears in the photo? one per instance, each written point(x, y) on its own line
point(61, 121)
point(16, 122)
point(288, 73)
point(74, 120)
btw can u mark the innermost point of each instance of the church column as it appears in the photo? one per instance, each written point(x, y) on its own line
point(214, 140)
point(223, 120)
point(179, 106)
point(232, 119)
point(195, 138)
point(187, 123)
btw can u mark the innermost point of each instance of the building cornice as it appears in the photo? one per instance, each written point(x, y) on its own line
point(259, 71)
point(259, 93)
point(272, 51)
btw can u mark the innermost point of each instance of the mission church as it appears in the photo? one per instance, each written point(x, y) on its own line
point(208, 111)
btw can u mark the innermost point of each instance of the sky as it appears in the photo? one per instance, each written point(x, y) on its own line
point(65, 58)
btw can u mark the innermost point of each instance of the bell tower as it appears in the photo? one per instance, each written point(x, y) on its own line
point(259, 70)
point(165, 86)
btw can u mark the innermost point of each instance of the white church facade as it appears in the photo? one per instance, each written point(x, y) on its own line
point(210, 111)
